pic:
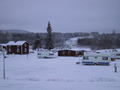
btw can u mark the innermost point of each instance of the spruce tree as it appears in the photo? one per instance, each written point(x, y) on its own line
point(49, 40)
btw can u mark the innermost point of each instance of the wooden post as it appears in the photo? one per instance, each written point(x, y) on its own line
point(115, 67)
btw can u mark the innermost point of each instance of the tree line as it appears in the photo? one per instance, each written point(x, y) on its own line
point(38, 40)
point(101, 41)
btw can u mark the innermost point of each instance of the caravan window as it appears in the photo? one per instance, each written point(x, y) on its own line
point(25, 44)
point(105, 58)
point(117, 54)
point(39, 53)
point(85, 58)
point(96, 57)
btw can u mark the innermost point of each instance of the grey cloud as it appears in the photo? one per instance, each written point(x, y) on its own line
point(65, 15)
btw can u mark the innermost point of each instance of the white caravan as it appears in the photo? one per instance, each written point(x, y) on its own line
point(91, 58)
point(45, 54)
point(115, 54)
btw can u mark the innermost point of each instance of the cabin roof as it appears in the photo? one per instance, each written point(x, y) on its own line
point(20, 42)
point(66, 50)
point(16, 43)
point(11, 43)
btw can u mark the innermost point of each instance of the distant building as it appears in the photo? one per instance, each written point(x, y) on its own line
point(70, 53)
point(19, 47)
point(66, 53)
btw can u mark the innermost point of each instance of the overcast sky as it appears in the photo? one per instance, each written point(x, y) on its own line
point(64, 15)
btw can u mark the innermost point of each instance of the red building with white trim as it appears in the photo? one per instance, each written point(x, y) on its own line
point(19, 47)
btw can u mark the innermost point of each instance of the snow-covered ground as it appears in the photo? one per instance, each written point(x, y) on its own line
point(60, 73)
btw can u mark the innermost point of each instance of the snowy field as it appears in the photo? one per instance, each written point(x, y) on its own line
point(61, 73)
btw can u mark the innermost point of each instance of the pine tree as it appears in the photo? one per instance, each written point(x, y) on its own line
point(49, 40)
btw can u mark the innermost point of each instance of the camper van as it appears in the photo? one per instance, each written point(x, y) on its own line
point(93, 58)
point(45, 54)
point(115, 54)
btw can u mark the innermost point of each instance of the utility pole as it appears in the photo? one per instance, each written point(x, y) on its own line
point(4, 56)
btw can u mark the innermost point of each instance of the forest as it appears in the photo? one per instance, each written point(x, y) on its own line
point(97, 40)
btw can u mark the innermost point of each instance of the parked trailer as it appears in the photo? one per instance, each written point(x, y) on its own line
point(96, 58)
point(115, 54)
point(45, 54)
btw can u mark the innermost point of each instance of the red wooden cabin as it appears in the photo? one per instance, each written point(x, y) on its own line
point(66, 53)
point(19, 47)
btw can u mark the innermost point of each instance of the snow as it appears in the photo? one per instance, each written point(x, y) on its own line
point(2, 44)
point(16, 43)
point(81, 48)
point(72, 43)
point(11, 43)
point(27, 72)
point(20, 42)
point(93, 54)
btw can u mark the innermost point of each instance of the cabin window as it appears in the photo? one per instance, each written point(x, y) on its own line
point(105, 58)
point(25, 50)
point(25, 45)
point(18, 49)
point(85, 57)
point(9, 49)
point(63, 52)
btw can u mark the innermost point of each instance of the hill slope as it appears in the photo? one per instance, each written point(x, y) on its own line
point(14, 31)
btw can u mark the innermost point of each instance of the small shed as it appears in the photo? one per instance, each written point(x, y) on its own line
point(66, 53)
point(19, 47)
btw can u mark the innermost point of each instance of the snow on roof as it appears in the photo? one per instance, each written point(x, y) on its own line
point(94, 54)
point(20, 42)
point(16, 43)
point(2, 44)
point(11, 43)
point(81, 48)
point(109, 50)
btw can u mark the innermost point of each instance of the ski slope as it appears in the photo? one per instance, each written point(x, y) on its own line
point(72, 44)
point(27, 72)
